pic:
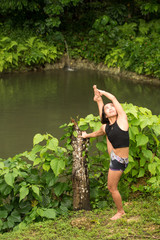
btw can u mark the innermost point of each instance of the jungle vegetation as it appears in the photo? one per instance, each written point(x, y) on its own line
point(122, 34)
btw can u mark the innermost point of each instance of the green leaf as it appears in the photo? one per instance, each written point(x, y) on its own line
point(57, 166)
point(3, 214)
point(84, 127)
point(50, 179)
point(15, 216)
point(1, 165)
point(152, 180)
point(64, 125)
point(147, 153)
point(145, 111)
point(152, 168)
point(46, 166)
point(69, 147)
point(23, 192)
point(141, 140)
point(60, 188)
point(134, 172)
point(38, 138)
point(101, 146)
point(53, 144)
point(75, 134)
point(130, 158)
point(35, 189)
point(141, 172)
point(156, 129)
point(48, 213)
point(95, 125)
point(133, 131)
point(105, 20)
point(142, 161)
point(37, 161)
point(9, 178)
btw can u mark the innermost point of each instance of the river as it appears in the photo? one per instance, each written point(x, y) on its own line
point(39, 102)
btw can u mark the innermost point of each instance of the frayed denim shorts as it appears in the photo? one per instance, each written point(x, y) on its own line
point(117, 163)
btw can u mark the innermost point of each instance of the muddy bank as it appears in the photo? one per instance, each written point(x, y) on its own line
point(117, 72)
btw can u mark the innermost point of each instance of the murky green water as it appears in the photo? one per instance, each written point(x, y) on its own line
point(40, 102)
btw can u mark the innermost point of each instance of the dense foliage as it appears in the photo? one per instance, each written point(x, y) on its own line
point(122, 34)
point(37, 184)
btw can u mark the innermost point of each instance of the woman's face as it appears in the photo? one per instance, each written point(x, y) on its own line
point(110, 110)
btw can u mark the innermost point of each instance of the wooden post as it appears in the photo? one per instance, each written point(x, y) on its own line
point(80, 179)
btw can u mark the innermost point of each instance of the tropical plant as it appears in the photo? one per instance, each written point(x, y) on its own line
point(31, 52)
point(30, 185)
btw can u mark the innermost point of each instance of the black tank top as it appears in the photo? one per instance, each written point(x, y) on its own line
point(118, 137)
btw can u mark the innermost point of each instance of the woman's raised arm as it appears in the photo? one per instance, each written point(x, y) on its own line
point(115, 102)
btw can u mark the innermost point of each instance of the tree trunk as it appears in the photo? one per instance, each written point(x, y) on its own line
point(80, 179)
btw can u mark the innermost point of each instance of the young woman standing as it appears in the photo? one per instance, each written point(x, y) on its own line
point(115, 127)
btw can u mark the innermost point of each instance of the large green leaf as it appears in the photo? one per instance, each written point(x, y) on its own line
point(3, 213)
point(53, 144)
point(1, 165)
point(46, 166)
point(23, 192)
point(156, 129)
point(152, 168)
point(141, 139)
point(60, 188)
point(35, 189)
point(57, 166)
point(142, 161)
point(15, 216)
point(147, 153)
point(38, 138)
point(9, 178)
point(48, 213)
point(141, 172)
point(101, 146)
point(95, 125)
point(133, 131)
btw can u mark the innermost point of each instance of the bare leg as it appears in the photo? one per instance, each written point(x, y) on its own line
point(98, 99)
point(113, 179)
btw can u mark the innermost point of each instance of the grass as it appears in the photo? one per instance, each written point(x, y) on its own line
point(141, 222)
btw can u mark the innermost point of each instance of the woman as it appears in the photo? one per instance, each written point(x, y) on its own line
point(115, 127)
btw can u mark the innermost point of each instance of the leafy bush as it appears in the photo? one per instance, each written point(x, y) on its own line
point(32, 52)
point(30, 186)
point(140, 52)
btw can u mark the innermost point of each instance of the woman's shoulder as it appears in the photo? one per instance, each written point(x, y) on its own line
point(123, 123)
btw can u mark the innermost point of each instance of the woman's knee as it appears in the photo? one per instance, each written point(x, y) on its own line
point(112, 188)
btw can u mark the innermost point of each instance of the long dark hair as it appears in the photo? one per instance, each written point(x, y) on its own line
point(104, 119)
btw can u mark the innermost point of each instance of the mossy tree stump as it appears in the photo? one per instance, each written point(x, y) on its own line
point(80, 179)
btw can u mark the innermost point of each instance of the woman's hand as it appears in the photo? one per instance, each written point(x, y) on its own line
point(101, 92)
point(84, 135)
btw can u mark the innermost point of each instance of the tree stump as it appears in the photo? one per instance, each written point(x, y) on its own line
point(80, 179)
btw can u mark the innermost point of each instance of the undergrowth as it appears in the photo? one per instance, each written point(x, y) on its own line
point(140, 222)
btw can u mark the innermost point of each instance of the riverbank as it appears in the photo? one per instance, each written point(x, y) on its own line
point(85, 64)
point(76, 64)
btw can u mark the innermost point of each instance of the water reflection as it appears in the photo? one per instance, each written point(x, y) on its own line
point(41, 102)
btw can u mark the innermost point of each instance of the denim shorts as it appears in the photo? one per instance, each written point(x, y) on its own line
point(117, 163)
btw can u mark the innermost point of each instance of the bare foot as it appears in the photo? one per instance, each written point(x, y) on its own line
point(97, 95)
point(117, 215)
